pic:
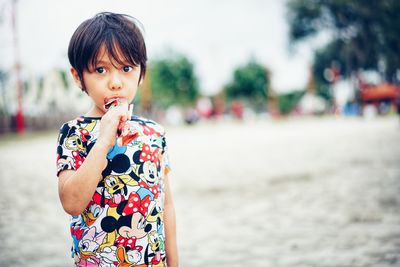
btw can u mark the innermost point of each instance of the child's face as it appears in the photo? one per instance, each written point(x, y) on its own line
point(107, 80)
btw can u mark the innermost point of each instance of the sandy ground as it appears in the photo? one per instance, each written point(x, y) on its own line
point(309, 192)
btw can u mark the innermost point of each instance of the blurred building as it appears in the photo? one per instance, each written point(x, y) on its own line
point(47, 101)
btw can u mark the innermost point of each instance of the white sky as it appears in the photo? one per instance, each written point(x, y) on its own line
point(218, 35)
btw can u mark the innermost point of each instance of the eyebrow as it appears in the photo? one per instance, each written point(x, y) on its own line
point(124, 63)
point(101, 62)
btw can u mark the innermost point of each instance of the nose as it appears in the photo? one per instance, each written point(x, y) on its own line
point(115, 82)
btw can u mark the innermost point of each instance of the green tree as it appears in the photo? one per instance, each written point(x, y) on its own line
point(249, 83)
point(173, 81)
point(288, 101)
point(365, 35)
point(323, 59)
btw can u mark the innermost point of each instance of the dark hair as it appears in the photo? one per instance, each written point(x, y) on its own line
point(120, 35)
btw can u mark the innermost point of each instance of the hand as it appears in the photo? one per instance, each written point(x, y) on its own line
point(110, 123)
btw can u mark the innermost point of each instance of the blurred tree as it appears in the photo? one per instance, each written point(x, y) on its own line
point(288, 101)
point(323, 59)
point(250, 83)
point(173, 81)
point(366, 35)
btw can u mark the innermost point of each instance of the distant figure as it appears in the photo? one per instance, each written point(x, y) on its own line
point(204, 107)
point(118, 195)
point(191, 116)
point(237, 109)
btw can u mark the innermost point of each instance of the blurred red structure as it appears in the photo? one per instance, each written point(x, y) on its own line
point(19, 117)
point(380, 92)
point(382, 96)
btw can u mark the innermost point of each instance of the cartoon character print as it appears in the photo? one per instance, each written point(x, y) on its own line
point(127, 206)
point(89, 245)
point(148, 165)
point(77, 232)
point(114, 191)
point(91, 213)
point(146, 128)
point(156, 245)
point(130, 226)
point(113, 188)
point(155, 215)
point(75, 140)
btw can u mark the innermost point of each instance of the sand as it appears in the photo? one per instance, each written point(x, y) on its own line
point(299, 192)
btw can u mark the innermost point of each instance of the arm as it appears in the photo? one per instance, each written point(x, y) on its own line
point(170, 227)
point(76, 187)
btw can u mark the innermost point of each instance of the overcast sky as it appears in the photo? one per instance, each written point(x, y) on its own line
point(218, 35)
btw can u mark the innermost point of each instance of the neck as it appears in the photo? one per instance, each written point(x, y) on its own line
point(95, 112)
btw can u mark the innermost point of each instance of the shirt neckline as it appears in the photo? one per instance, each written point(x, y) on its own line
point(85, 118)
point(89, 117)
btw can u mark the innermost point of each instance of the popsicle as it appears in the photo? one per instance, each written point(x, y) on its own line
point(126, 132)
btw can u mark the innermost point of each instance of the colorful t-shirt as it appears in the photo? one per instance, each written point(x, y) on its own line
point(122, 225)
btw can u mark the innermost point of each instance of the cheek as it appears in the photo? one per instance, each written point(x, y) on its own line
point(97, 95)
point(124, 230)
point(133, 82)
point(95, 87)
point(132, 93)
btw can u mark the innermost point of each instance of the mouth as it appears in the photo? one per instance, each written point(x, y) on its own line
point(89, 221)
point(113, 102)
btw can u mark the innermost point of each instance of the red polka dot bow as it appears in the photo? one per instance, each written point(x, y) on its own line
point(135, 204)
point(148, 155)
point(84, 135)
point(149, 130)
point(128, 242)
point(78, 159)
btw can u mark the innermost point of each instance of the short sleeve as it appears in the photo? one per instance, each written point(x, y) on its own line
point(71, 151)
point(165, 156)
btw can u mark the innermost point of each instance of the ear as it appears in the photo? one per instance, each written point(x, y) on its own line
point(109, 224)
point(75, 75)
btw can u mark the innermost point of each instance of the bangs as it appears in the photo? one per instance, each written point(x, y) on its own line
point(119, 54)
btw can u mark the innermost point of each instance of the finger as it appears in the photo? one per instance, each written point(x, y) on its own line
point(128, 112)
point(118, 111)
point(123, 115)
point(123, 118)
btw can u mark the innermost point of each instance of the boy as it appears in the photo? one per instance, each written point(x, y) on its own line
point(118, 195)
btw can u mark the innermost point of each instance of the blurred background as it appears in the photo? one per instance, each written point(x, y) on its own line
point(282, 117)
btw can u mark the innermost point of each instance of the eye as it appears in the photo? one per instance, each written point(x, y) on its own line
point(100, 70)
point(85, 245)
point(127, 68)
point(96, 212)
point(111, 182)
point(141, 223)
